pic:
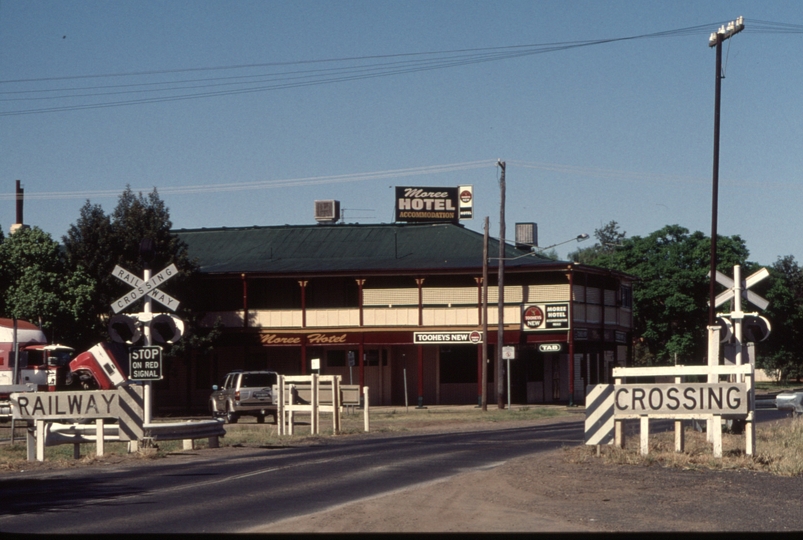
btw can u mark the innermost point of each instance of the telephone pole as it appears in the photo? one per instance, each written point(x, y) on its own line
point(484, 393)
point(715, 40)
point(500, 333)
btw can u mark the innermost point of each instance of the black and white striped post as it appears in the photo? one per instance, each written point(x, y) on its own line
point(599, 414)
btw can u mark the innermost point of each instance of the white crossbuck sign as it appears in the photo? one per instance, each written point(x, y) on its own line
point(141, 289)
point(750, 296)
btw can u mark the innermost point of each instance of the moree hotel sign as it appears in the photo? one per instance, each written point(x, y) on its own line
point(416, 204)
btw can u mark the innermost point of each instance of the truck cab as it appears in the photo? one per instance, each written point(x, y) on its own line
point(46, 366)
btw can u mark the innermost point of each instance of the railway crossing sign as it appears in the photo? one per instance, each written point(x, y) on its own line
point(141, 289)
point(759, 327)
point(164, 328)
point(750, 296)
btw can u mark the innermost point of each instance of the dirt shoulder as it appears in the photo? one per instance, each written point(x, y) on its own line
point(569, 490)
point(546, 493)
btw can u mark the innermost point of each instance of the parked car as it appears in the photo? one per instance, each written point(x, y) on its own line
point(244, 393)
point(790, 401)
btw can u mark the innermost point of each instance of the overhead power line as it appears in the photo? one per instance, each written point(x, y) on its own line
point(160, 86)
point(768, 27)
point(668, 33)
point(263, 184)
point(614, 175)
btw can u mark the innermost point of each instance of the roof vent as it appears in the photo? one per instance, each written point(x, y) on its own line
point(327, 211)
point(526, 235)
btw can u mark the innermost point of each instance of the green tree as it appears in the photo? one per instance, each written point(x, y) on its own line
point(90, 246)
point(38, 286)
point(97, 242)
point(782, 353)
point(670, 300)
point(609, 237)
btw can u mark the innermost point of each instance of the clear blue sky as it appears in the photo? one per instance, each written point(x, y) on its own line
point(617, 131)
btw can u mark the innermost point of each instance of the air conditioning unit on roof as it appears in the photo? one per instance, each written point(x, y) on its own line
point(526, 235)
point(327, 211)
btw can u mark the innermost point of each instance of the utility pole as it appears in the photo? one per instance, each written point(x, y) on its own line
point(715, 40)
point(500, 334)
point(484, 393)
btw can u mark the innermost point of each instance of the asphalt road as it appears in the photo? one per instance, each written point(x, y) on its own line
point(240, 489)
point(244, 488)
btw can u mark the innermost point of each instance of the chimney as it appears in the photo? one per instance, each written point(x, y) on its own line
point(20, 196)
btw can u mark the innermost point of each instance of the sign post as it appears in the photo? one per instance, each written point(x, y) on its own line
point(148, 385)
point(146, 289)
point(508, 353)
point(738, 290)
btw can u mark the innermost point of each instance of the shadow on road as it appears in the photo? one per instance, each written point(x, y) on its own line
point(32, 495)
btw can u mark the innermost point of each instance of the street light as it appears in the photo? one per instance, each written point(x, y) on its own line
point(538, 250)
point(579, 238)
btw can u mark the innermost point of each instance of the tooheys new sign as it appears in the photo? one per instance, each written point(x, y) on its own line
point(426, 204)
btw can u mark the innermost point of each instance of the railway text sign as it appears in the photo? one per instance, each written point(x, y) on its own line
point(61, 405)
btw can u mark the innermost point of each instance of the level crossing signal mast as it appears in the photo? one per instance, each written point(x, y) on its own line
point(740, 326)
point(129, 328)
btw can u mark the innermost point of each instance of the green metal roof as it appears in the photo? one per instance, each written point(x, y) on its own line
point(347, 248)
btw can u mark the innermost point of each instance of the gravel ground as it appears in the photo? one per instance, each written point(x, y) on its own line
point(546, 493)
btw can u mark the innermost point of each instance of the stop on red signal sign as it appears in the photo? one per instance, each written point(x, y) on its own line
point(145, 363)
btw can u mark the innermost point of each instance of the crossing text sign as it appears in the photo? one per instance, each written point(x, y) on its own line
point(632, 400)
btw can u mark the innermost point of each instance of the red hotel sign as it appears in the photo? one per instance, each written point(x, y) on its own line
point(309, 339)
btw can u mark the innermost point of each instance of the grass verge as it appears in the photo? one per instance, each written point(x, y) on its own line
point(779, 451)
point(13, 456)
point(247, 433)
